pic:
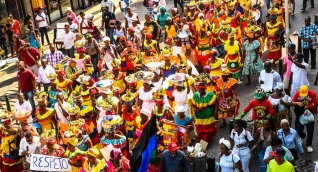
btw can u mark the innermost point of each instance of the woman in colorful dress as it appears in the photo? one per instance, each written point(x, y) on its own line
point(232, 18)
point(215, 63)
point(170, 28)
point(228, 102)
point(92, 163)
point(118, 141)
point(180, 96)
point(8, 134)
point(63, 83)
point(74, 155)
point(129, 113)
point(202, 49)
point(160, 110)
point(280, 11)
point(51, 148)
point(203, 103)
point(118, 162)
point(246, 18)
point(252, 62)
point(53, 90)
point(233, 58)
point(281, 103)
point(43, 115)
point(118, 76)
point(271, 39)
point(84, 142)
point(215, 31)
point(87, 113)
point(87, 93)
point(150, 45)
point(169, 67)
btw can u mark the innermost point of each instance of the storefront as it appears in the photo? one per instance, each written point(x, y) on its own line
point(56, 8)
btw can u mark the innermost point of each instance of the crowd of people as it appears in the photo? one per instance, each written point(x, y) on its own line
point(181, 68)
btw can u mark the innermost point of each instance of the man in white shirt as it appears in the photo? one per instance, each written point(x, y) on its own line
point(44, 70)
point(41, 20)
point(60, 107)
point(266, 74)
point(68, 39)
point(29, 145)
point(73, 26)
point(85, 23)
point(21, 104)
point(298, 75)
point(110, 4)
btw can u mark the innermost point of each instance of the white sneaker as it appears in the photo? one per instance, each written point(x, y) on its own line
point(309, 149)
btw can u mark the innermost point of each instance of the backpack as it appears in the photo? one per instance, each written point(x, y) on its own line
point(245, 134)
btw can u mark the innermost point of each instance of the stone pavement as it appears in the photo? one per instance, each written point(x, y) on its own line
point(8, 84)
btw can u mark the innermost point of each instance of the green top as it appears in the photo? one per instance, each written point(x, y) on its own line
point(70, 72)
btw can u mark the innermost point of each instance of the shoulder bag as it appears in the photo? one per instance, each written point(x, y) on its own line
point(36, 62)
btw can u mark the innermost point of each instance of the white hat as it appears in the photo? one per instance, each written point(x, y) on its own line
point(201, 15)
point(134, 19)
point(180, 109)
point(225, 142)
point(68, 9)
point(106, 38)
point(145, 112)
point(279, 85)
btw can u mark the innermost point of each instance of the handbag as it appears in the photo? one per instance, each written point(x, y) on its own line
point(36, 62)
point(255, 149)
point(306, 118)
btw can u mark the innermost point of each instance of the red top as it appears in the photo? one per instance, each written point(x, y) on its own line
point(310, 100)
point(260, 109)
point(16, 27)
point(25, 79)
point(35, 53)
point(92, 30)
point(129, 64)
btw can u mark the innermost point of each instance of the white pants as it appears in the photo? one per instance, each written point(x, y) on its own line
point(34, 69)
point(245, 160)
point(294, 89)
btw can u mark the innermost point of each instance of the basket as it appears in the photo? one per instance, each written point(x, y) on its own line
point(22, 115)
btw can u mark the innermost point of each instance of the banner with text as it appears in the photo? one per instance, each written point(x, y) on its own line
point(49, 163)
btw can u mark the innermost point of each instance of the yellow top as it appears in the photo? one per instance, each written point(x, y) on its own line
point(101, 164)
point(152, 45)
point(232, 49)
point(216, 67)
point(172, 32)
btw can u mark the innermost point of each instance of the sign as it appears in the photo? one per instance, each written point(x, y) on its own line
point(175, 133)
point(106, 151)
point(49, 163)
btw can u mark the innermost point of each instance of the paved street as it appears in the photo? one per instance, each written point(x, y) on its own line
point(8, 84)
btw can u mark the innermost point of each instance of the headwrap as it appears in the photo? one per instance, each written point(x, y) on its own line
point(108, 128)
point(122, 38)
point(130, 29)
point(60, 73)
point(180, 109)
point(259, 93)
point(93, 152)
point(279, 86)
point(163, 8)
point(80, 50)
point(106, 38)
point(129, 43)
point(145, 112)
point(225, 142)
point(148, 35)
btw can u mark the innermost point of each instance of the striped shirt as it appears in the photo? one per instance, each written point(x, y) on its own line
point(54, 58)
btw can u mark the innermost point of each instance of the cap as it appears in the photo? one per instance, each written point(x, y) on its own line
point(278, 152)
point(303, 91)
point(291, 45)
point(134, 19)
point(173, 146)
point(68, 9)
point(106, 38)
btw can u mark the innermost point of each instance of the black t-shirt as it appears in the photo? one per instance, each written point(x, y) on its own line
point(10, 35)
point(154, 26)
point(107, 17)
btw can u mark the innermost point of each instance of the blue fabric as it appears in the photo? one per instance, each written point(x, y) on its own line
point(262, 164)
point(33, 41)
point(152, 144)
point(163, 19)
point(308, 32)
point(175, 163)
point(181, 122)
point(291, 140)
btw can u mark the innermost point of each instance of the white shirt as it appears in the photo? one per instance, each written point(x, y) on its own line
point(25, 146)
point(226, 162)
point(59, 112)
point(299, 75)
point(109, 3)
point(25, 106)
point(68, 39)
point(123, 4)
point(43, 72)
point(288, 155)
point(41, 17)
point(137, 30)
point(240, 139)
point(129, 19)
point(73, 26)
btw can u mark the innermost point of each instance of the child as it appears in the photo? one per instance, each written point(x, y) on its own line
point(9, 37)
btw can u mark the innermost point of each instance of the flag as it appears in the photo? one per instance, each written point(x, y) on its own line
point(145, 147)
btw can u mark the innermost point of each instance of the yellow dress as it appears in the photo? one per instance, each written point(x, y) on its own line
point(64, 84)
point(272, 41)
point(119, 82)
point(6, 138)
point(280, 15)
point(101, 164)
point(172, 31)
point(152, 46)
point(216, 67)
point(45, 119)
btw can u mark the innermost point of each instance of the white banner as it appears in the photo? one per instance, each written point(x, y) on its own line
point(49, 163)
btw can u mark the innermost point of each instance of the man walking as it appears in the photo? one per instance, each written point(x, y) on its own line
point(308, 99)
point(26, 84)
point(298, 76)
point(108, 22)
point(279, 164)
point(31, 57)
point(41, 20)
point(286, 71)
point(54, 56)
point(68, 39)
point(306, 32)
point(174, 160)
point(44, 70)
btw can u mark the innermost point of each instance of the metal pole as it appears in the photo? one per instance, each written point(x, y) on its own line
point(316, 19)
point(287, 25)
